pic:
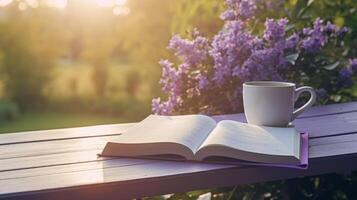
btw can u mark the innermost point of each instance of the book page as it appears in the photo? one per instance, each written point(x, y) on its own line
point(255, 139)
point(187, 130)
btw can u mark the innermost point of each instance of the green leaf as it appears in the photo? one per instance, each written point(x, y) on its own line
point(345, 52)
point(292, 58)
point(302, 12)
point(332, 66)
point(336, 98)
point(298, 7)
point(310, 2)
point(289, 27)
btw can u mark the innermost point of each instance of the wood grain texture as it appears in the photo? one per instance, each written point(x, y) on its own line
point(65, 133)
point(93, 131)
point(319, 148)
point(43, 153)
point(49, 165)
point(166, 176)
point(53, 147)
point(68, 152)
point(329, 109)
point(178, 182)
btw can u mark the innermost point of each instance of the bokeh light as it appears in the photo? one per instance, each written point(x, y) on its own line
point(56, 3)
point(5, 2)
point(118, 5)
point(121, 10)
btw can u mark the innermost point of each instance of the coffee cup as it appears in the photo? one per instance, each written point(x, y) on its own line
point(271, 103)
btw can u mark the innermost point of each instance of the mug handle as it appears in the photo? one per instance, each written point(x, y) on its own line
point(309, 103)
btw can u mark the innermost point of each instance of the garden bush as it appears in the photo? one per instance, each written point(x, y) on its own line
point(306, 42)
point(209, 74)
point(8, 111)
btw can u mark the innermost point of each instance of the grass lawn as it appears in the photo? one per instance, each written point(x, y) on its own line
point(40, 121)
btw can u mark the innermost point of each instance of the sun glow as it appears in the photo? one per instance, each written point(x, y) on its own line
point(5, 2)
point(118, 5)
point(56, 3)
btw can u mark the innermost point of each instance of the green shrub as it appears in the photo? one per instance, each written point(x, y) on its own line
point(8, 111)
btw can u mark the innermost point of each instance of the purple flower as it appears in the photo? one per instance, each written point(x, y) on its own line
point(239, 9)
point(275, 30)
point(262, 65)
point(321, 93)
point(315, 38)
point(331, 28)
point(208, 75)
point(170, 79)
point(246, 9)
point(202, 81)
point(342, 32)
point(311, 45)
point(345, 77)
point(184, 68)
point(166, 107)
point(189, 51)
point(228, 15)
point(155, 105)
point(353, 65)
point(230, 47)
point(292, 41)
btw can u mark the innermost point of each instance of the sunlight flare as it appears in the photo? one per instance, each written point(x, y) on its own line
point(121, 10)
point(63, 4)
point(110, 3)
point(5, 2)
point(56, 3)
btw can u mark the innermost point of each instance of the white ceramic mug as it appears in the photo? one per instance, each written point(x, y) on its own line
point(270, 103)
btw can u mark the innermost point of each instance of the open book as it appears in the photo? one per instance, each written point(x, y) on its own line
point(200, 138)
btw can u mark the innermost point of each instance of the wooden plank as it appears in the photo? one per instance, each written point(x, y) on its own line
point(95, 164)
point(316, 111)
point(53, 147)
point(153, 179)
point(92, 131)
point(122, 170)
point(103, 175)
point(85, 149)
point(330, 124)
point(330, 109)
point(177, 182)
point(333, 146)
point(37, 161)
point(62, 152)
point(66, 133)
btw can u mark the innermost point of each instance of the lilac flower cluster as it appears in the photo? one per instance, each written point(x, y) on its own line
point(191, 53)
point(345, 77)
point(346, 74)
point(315, 38)
point(239, 9)
point(210, 74)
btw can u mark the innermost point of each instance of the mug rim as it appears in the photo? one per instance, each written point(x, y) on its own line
point(274, 84)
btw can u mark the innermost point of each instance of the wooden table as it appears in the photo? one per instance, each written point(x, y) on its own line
point(62, 163)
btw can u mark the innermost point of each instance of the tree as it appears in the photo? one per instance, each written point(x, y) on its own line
point(30, 43)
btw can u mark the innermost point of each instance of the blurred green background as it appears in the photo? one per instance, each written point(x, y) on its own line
point(82, 62)
point(66, 63)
